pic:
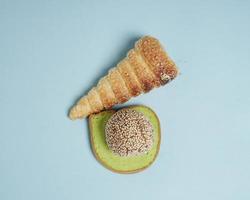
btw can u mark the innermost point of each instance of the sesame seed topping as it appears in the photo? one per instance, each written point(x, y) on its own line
point(129, 133)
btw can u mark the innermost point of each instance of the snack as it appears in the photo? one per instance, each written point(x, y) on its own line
point(145, 67)
point(115, 162)
point(129, 133)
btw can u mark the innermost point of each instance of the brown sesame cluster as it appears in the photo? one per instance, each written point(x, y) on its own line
point(129, 133)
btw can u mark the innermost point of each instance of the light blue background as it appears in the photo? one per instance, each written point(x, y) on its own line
point(51, 52)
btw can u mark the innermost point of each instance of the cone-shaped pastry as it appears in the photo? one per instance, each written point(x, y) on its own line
point(146, 66)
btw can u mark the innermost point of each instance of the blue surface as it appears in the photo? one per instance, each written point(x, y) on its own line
point(51, 52)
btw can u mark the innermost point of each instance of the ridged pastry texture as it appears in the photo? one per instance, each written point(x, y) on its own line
point(145, 67)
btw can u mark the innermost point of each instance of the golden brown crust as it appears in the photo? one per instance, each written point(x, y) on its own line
point(146, 66)
point(118, 86)
point(110, 167)
point(94, 100)
point(142, 72)
point(158, 60)
point(129, 77)
point(106, 94)
point(141, 60)
point(81, 109)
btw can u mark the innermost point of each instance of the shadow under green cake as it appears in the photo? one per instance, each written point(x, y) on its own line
point(116, 163)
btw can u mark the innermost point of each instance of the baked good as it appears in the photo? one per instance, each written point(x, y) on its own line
point(145, 67)
point(113, 161)
point(129, 133)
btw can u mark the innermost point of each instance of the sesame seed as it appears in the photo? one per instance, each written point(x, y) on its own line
point(129, 133)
